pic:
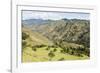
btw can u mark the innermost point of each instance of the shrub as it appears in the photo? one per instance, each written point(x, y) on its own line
point(34, 49)
point(48, 48)
point(51, 54)
point(87, 52)
point(72, 53)
point(61, 59)
point(41, 46)
point(24, 35)
point(55, 50)
point(62, 51)
point(67, 50)
point(78, 54)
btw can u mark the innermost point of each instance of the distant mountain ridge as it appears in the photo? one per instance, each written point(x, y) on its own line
point(34, 21)
point(42, 21)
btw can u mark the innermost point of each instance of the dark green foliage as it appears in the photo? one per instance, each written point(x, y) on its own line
point(24, 36)
point(54, 50)
point(47, 48)
point(34, 49)
point(87, 52)
point(72, 53)
point(51, 54)
point(62, 51)
point(67, 50)
point(39, 46)
point(79, 51)
point(61, 59)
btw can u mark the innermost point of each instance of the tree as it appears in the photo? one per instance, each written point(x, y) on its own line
point(34, 48)
point(61, 59)
point(48, 48)
point(55, 50)
point(87, 52)
point(62, 51)
point(51, 55)
point(24, 35)
point(67, 50)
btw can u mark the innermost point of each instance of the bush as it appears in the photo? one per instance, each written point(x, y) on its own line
point(51, 54)
point(24, 35)
point(55, 50)
point(41, 46)
point(47, 48)
point(62, 51)
point(34, 49)
point(87, 52)
point(67, 50)
point(80, 55)
point(72, 53)
point(61, 59)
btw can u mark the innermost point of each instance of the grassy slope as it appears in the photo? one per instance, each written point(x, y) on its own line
point(41, 55)
point(36, 38)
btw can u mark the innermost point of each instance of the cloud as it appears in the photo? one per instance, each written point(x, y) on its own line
point(53, 15)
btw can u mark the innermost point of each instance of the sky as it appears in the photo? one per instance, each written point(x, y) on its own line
point(54, 15)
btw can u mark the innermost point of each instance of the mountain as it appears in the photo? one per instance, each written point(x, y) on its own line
point(53, 40)
point(34, 21)
point(64, 30)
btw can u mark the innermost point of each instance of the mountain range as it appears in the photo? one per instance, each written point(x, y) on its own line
point(66, 30)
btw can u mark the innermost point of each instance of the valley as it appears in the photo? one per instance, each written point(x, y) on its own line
point(55, 40)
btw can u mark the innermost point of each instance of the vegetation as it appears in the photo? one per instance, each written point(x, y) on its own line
point(54, 50)
point(51, 55)
point(24, 36)
point(56, 41)
point(61, 59)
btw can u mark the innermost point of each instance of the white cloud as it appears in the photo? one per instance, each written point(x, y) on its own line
point(53, 15)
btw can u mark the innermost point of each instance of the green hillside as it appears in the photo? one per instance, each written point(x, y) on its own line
point(55, 40)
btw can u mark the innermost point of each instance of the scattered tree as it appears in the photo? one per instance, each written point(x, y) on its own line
point(54, 50)
point(61, 59)
point(24, 36)
point(51, 55)
point(34, 49)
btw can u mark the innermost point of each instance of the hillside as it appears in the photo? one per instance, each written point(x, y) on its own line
point(34, 37)
point(73, 30)
point(55, 40)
